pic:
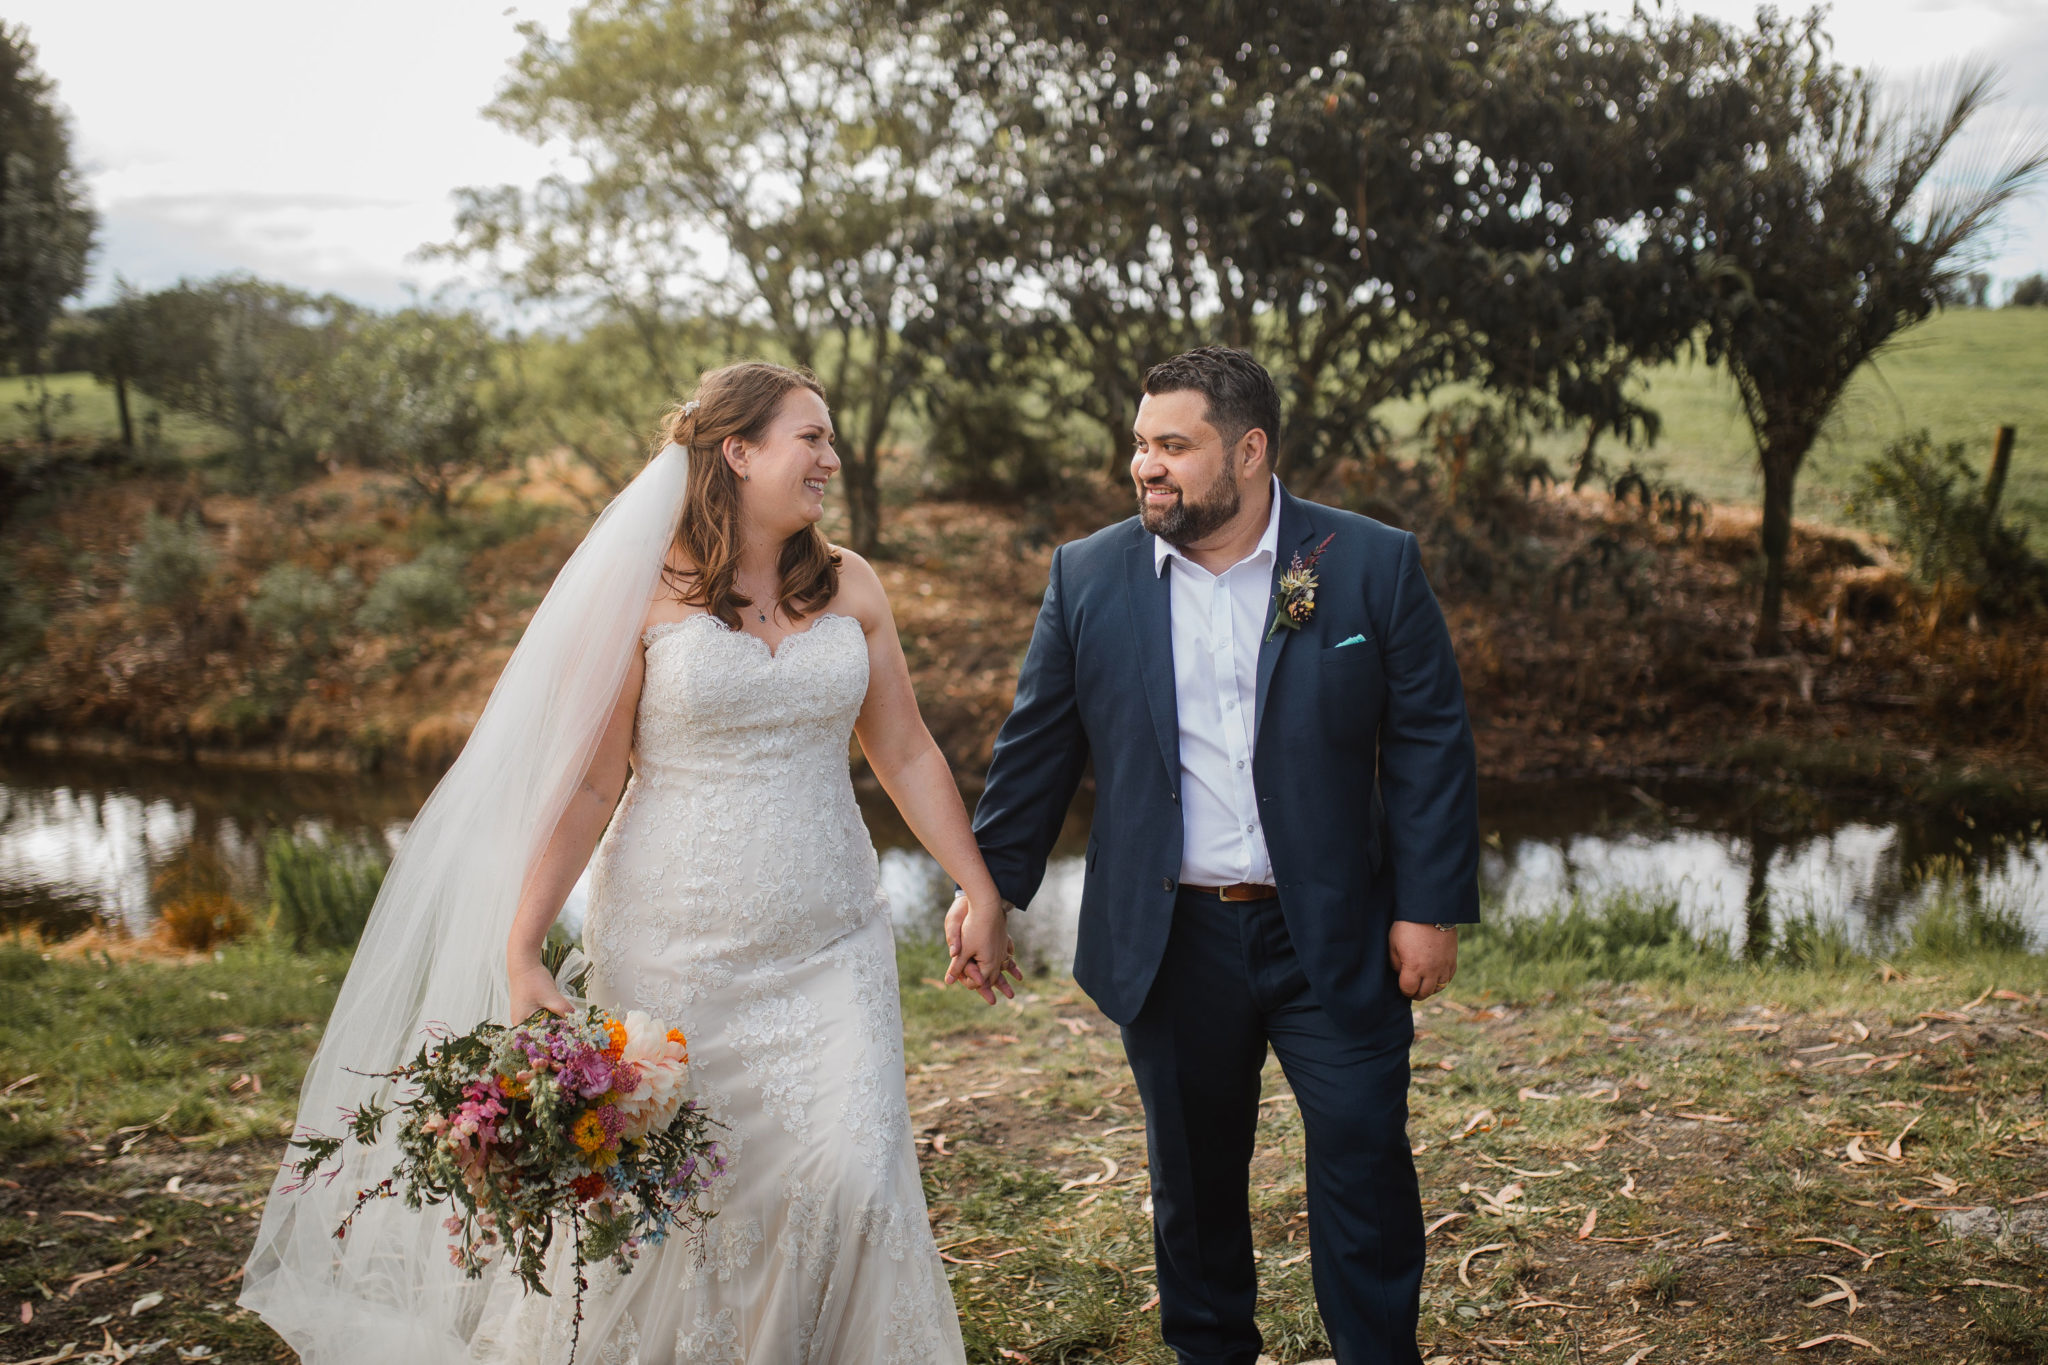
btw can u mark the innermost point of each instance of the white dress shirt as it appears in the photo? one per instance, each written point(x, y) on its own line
point(1218, 620)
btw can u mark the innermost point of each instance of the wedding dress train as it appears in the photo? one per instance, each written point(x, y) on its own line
point(735, 895)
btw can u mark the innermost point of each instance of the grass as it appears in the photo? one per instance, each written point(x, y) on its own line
point(1960, 374)
point(92, 415)
point(1627, 1139)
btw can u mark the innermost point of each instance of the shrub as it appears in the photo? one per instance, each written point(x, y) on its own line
point(196, 905)
point(321, 894)
point(1929, 502)
point(24, 615)
point(426, 593)
point(298, 607)
point(201, 922)
point(2031, 292)
point(169, 565)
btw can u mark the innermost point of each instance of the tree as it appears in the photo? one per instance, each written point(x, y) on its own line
point(1837, 236)
point(764, 161)
point(245, 355)
point(415, 393)
point(46, 225)
point(117, 352)
point(2031, 292)
point(1377, 198)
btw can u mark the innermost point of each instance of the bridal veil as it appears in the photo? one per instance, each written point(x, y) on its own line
point(434, 953)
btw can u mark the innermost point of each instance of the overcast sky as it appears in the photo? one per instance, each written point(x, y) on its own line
point(319, 144)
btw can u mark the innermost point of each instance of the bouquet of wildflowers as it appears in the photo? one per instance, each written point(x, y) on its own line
point(580, 1120)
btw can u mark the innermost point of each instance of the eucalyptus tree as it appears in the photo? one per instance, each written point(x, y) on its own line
point(46, 223)
point(1841, 227)
point(1378, 197)
point(765, 161)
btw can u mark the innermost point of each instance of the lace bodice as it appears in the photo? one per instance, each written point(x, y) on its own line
point(716, 698)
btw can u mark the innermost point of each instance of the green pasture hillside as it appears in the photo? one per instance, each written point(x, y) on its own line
point(1959, 374)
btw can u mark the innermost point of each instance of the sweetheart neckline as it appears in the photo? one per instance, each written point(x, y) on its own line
point(656, 631)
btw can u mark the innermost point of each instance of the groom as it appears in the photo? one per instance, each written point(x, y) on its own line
point(1285, 833)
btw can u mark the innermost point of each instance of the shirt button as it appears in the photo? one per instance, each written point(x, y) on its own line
point(1248, 829)
point(1240, 765)
point(1229, 702)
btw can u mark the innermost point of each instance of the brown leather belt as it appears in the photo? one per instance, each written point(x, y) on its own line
point(1236, 891)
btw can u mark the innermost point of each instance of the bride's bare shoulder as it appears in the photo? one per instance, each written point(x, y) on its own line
point(861, 594)
point(665, 602)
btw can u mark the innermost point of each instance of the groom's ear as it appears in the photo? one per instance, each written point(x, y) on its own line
point(1251, 447)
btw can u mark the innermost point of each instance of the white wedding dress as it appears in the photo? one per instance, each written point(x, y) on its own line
point(735, 895)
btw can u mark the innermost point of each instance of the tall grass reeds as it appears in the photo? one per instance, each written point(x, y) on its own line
point(1639, 935)
point(321, 893)
point(1958, 921)
point(1621, 936)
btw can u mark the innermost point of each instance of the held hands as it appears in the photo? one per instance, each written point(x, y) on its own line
point(1425, 956)
point(978, 941)
point(533, 988)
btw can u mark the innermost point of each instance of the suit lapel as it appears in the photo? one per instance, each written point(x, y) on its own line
point(1295, 533)
point(1151, 603)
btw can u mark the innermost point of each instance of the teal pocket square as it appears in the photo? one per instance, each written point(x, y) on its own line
point(1354, 640)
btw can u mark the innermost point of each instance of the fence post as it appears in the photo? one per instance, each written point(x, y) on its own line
point(2001, 461)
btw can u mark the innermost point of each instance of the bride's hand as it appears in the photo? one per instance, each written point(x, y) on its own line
point(978, 941)
point(533, 988)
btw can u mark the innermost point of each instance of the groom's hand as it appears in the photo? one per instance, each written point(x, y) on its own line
point(1425, 956)
point(974, 955)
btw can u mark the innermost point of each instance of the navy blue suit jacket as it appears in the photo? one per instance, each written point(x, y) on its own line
point(1363, 761)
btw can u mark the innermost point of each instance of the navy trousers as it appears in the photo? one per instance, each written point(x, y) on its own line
point(1229, 986)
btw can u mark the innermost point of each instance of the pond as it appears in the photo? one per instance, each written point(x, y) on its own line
point(81, 840)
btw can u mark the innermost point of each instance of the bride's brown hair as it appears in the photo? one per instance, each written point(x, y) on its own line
point(737, 400)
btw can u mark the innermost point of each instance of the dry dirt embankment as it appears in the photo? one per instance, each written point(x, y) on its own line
point(1627, 652)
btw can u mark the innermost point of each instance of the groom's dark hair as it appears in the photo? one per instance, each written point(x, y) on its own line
point(1241, 394)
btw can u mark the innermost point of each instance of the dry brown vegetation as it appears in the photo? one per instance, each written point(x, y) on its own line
point(1608, 639)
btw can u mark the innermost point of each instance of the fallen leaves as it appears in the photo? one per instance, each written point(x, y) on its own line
point(1834, 1336)
point(79, 1282)
point(1843, 1291)
point(1465, 1262)
point(1586, 1228)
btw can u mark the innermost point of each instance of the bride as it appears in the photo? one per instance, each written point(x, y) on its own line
point(680, 704)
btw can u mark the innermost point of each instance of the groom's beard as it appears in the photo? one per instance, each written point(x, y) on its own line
point(1183, 522)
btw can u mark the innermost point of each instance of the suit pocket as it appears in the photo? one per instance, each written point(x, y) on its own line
point(1349, 691)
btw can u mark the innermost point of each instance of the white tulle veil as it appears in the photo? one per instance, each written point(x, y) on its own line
point(434, 953)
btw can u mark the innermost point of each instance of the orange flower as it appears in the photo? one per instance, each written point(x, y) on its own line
point(617, 1032)
point(675, 1035)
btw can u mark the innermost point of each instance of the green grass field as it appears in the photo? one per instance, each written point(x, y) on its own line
point(1959, 374)
point(93, 414)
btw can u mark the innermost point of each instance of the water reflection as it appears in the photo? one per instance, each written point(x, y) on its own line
point(81, 840)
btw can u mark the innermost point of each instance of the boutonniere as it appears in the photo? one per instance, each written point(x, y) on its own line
point(1297, 595)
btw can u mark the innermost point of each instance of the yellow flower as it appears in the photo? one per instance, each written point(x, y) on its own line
point(588, 1134)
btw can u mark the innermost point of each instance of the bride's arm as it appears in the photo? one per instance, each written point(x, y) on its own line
point(908, 763)
point(554, 873)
